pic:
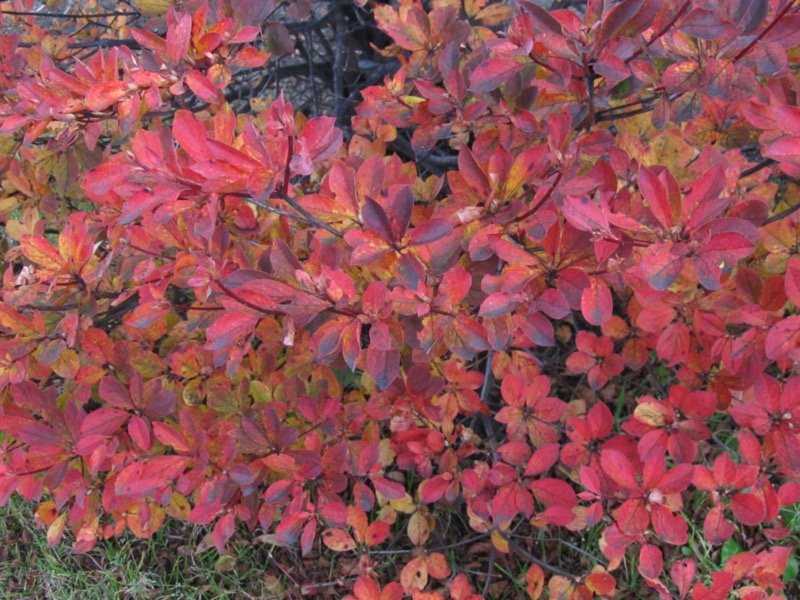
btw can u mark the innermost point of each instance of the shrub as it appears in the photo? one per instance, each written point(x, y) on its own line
point(544, 288)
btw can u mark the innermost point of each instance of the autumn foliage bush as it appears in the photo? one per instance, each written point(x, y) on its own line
point(573, 317)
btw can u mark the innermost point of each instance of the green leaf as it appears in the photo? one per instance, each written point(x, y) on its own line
point(790, 574)
point(730, 548)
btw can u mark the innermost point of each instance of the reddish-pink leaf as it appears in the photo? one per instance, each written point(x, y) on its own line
point(178, 37)
point(201, 86)
point(748, 509)
point(632, 517)
point(321, 138)
point(792, 280)
point(388, 489)
point(616, 19)
point(377, 533)
point(682, 574)
point(38, 250)
point(656, 195)
point(429, 231)
point(596, 302)
point(223, 530)
point(338, 540)
point(783, 338)
point(651, 561)
point(499, 304)
point(139, 431)
point(542, 460)
point(661, 265)
point(169, 437)
point(103, 421)
point(617, 466)
point(785, 149)
point(103, 95)
point(671, 528)
point(490, 74)
point(231, 326)
point(585, 215)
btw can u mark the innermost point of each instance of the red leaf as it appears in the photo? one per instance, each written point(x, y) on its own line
point(792, 280)
point(231, 326)
point(662, 265)
point(601, 584)
point(716, 527)
point(376, 220)
point(499, 304)
point(383, 366)
point(115, 393)
point(748, 509)
point(671, 528)
point(338, 540)
point(169, 437)
point(615, 19)
point(786, 149)
point(223, 530)
point(178, 37)
point(534, 582)
point(656, 195)
point(100, 180)
point(388, 489)
point(139, 431)
point(682, 573)
point(103, 421)
point(147, 200)
point(542, 460)
point(651, 561)
point(429, 231)
point(585, 215)
point(38, 434)
point(377, 533)
point(596, 302)
point(632, 517)
point(490, 74)
point(40, 251)
point(201, 86)
point(430, 490)
point(103, 95)
point(783, 339)
point(617, 466)
point(321, 138)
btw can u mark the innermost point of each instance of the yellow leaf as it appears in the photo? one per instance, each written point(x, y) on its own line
point(405, 505)
point(419, 528)
point(152, 8)
point(651, 413)
point(56, 530)
point(499, 542)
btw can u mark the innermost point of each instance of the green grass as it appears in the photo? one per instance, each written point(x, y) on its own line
point(173, 564)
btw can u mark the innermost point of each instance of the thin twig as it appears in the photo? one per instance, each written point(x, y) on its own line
point(311, 218)
point(741, 54)
point(783, 214)
point(755, 169)
point(490, 571)
point(524, 554)
point(58, 15)
point(338, 71)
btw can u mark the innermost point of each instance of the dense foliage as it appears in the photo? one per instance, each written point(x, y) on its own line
point(541, 285)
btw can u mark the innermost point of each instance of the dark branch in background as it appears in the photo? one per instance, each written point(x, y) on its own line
point(338, 72)
point(93, 44)
point(783, 214)
point(525, 555)
point(58, 15)
point(755, 169)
